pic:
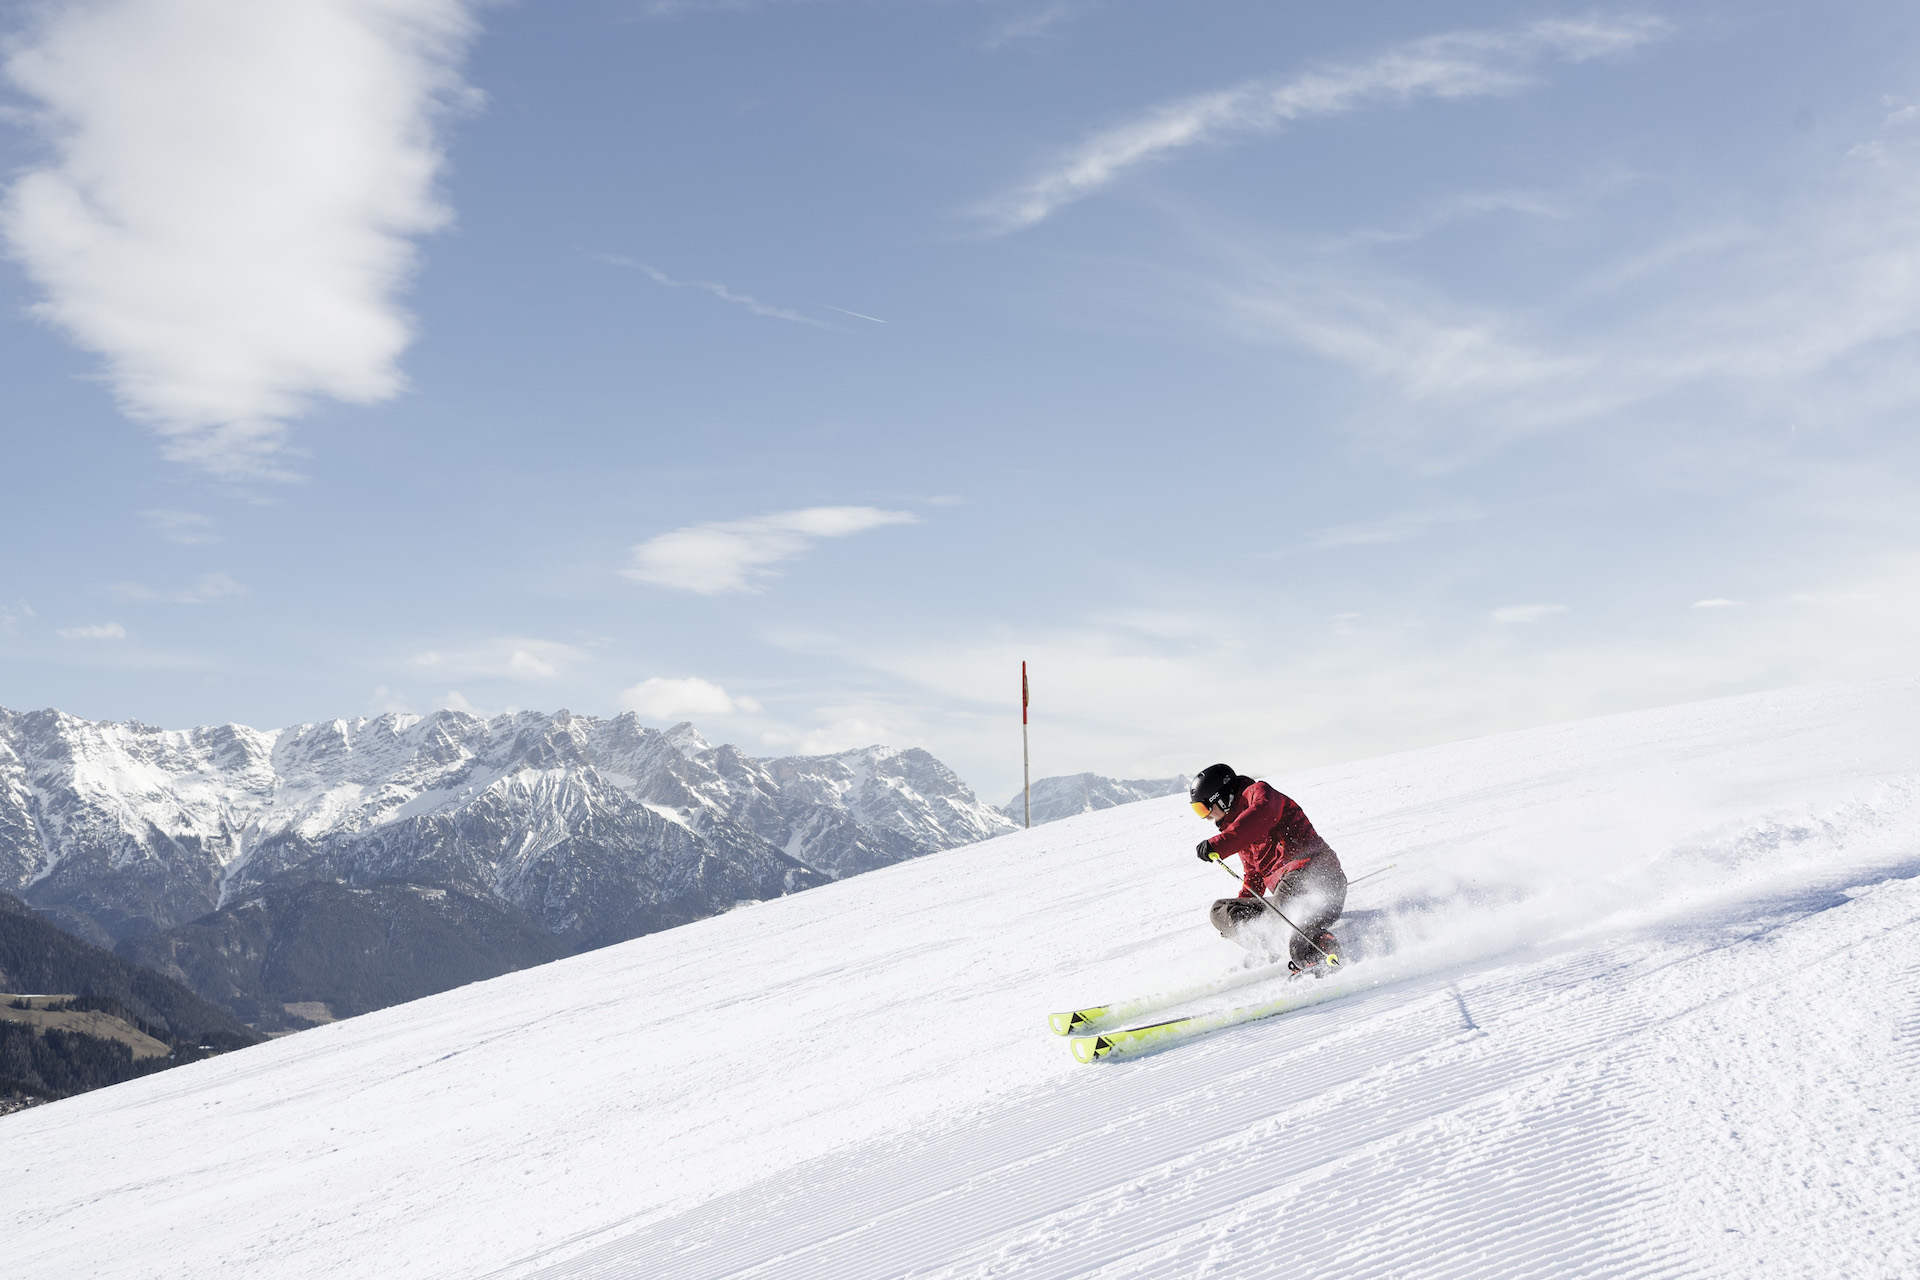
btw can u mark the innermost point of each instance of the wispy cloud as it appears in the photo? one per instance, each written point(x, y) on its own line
point(11, 615)
point(101, 631)
point(1460, 206)
point(1038, 21)
point(385, 700)
point(188, 528)
point(211, 586)
point(847, 732)
point(229, 207)
point(1429, 348)
point(721, 291)
point(454, 700)
point(1449, 67)
point(1803, 306)
point(663, 698)
point(1386, 530)
point(712, 559)
point(1521, 613)
point(676, 8)
point(507, 658)
point(1716, 603)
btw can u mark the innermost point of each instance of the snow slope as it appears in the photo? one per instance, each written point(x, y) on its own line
point(1651, 1011)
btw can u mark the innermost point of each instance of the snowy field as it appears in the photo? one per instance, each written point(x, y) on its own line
point(1649, 1010)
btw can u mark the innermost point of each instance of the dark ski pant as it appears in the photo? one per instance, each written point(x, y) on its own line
point(1311, 897)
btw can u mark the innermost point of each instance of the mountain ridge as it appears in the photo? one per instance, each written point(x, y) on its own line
point(602, 828)
point(1072, 794)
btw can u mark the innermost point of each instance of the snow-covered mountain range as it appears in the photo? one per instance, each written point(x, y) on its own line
point(600, 829)
point(1073, 794)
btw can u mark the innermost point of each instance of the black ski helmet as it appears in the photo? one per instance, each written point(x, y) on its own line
point(1214, 785)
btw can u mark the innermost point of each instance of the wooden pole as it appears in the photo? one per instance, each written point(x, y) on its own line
point(1026, 768)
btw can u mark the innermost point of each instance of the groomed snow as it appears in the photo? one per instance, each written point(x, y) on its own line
point(1652, 1011)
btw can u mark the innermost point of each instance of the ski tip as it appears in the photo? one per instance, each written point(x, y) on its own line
point(1087, 1048)
point(1065, 1024)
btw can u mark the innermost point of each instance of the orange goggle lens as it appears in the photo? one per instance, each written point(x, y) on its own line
point(1200, 808)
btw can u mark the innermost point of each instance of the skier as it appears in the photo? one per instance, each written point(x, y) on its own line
point(1279, 852)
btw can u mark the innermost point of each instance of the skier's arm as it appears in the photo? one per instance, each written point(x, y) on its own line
point(1209, 854)
point(1249, 828)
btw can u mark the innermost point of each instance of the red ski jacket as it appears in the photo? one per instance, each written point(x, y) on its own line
point(1271, 835)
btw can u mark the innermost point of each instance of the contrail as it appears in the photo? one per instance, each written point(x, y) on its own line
point(857, 315)
point(751, 303)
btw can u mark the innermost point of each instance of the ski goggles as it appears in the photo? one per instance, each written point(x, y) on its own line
point(1202, 808)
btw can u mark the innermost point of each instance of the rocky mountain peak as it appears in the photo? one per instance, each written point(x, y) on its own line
point(686, 739)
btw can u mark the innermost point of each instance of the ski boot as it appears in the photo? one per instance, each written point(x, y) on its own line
point(1327, 957)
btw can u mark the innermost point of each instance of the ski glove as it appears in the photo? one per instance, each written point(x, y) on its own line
point(1205, 852)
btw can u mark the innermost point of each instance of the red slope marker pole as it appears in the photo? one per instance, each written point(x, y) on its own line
point(1026, 769)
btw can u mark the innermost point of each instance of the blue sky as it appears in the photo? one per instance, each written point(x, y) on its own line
point(1286, 383)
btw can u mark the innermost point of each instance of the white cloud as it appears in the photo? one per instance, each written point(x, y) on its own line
point(386, 700)
point(188, 528)
point(846, 735)
point(1445, 67)
point(1527, 612)
point(1431, 350)
point(1034, 22)
point(229, 206)
point(211, 586)
point(862, 723)
point(1716, 603)
point(1386, 530)
point(721, 291)
point(710, 559)
point(103, 631)
point(452, 700)
point(674, 8)
point(665, 699)
point(508, 658)
point(10, 615)
point(1451, 209)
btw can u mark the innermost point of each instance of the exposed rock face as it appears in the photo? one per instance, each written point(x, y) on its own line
point(1077, 793)
point(599, 829)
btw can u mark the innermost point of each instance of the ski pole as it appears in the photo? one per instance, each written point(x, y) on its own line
point(1371, 874)
point(1262, 898)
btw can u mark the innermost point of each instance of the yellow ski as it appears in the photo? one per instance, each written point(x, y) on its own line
point(1078, 1020)
point(1158, 1035)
